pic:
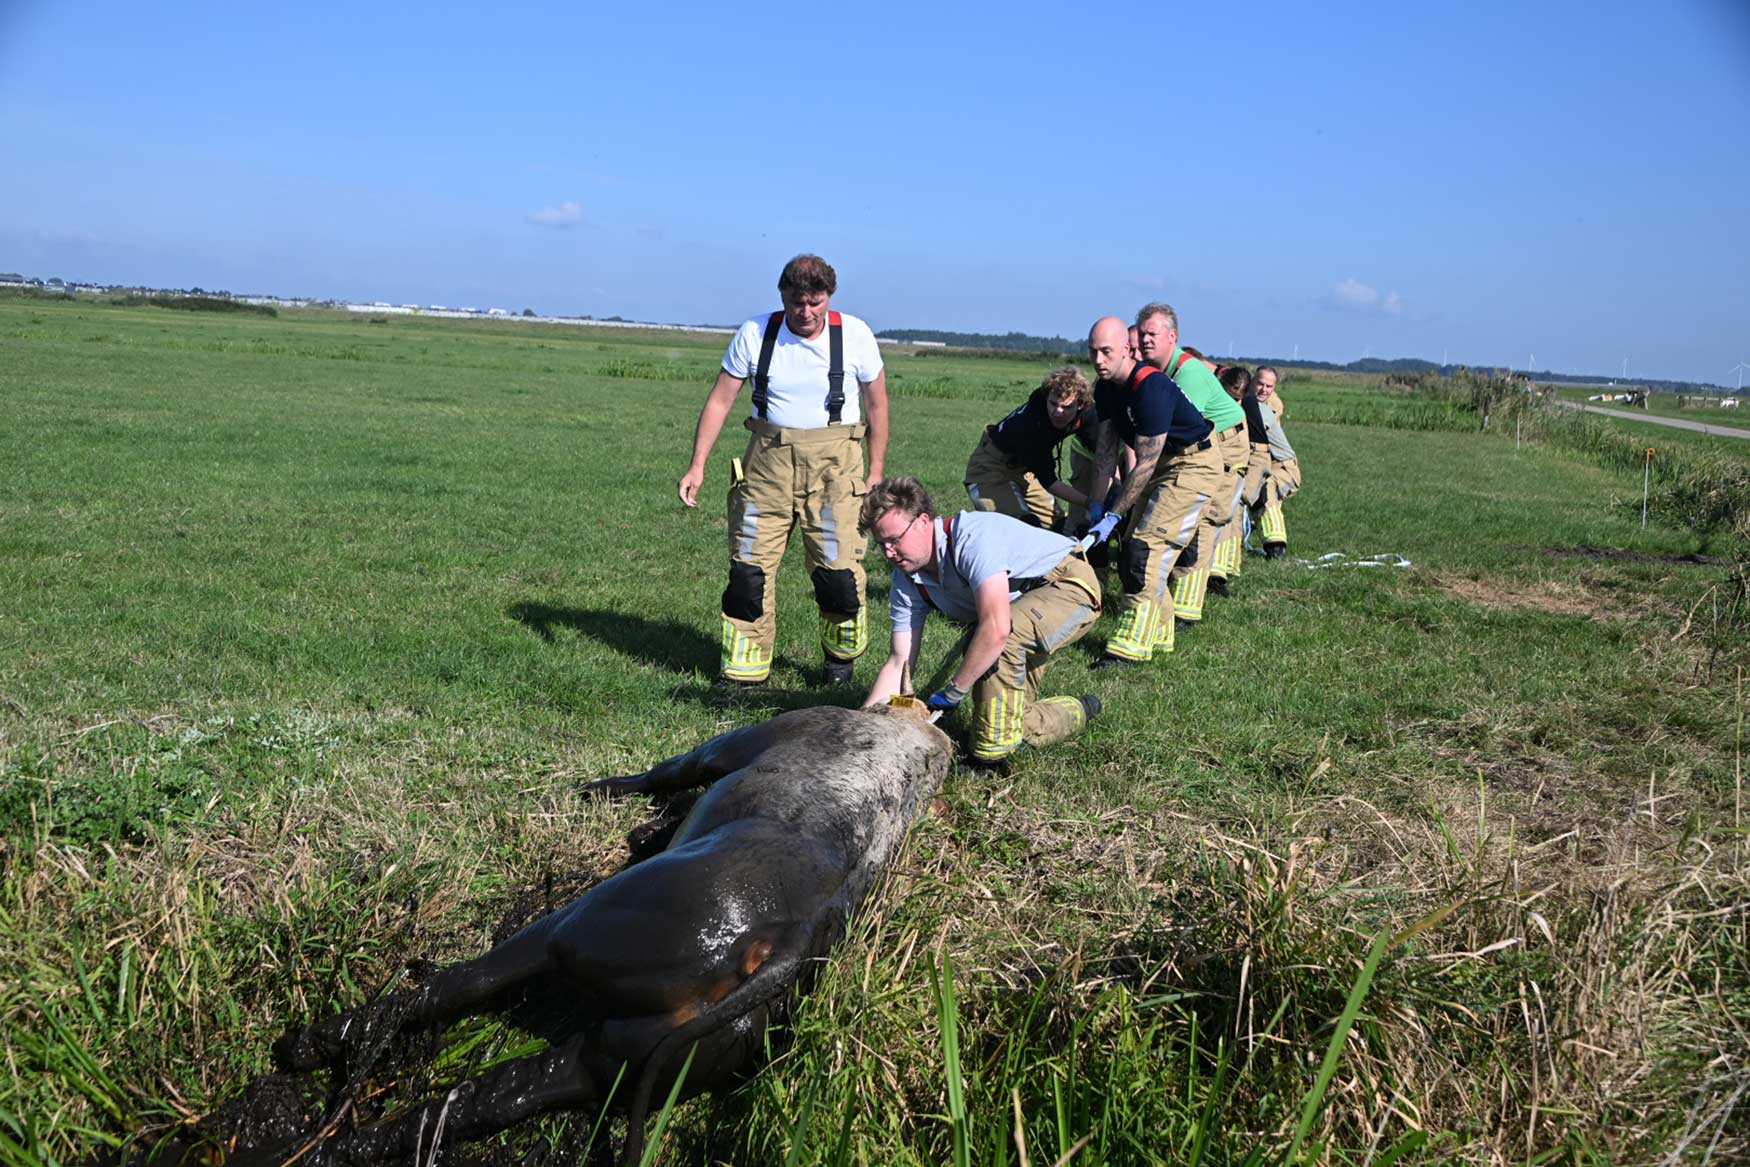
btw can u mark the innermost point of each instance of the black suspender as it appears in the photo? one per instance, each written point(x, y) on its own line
point(768, 344)
point(835, 369)
point(835, 372)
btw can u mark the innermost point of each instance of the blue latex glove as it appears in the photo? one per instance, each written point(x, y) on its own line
point(1096, 512)
point(1102, 530)
point(943, 700)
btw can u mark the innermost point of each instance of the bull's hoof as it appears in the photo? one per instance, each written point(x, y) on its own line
point(298, 1050)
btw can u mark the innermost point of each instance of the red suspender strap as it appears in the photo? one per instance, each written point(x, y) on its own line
point(948, 537)
point(762, 371)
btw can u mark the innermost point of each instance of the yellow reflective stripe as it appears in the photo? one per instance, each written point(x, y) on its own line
point(846, 638)
point(1188, 594)
point(1134, 637)
point(742, 658)
point(999, 730)
point(1163, 634)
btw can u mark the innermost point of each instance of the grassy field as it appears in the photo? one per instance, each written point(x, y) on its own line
point(314, 625)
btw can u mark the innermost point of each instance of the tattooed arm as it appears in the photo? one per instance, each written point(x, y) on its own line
point(1148, 452)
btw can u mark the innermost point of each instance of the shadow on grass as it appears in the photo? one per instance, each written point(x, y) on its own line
point(667, 644)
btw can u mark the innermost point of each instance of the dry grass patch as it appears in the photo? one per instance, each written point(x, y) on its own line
point(1555, 597)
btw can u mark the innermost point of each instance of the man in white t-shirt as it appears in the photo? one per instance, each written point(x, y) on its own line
point(803, 468)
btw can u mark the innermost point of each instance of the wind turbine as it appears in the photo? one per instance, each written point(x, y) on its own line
point(1297, 351)
point(1740, 371)
point(1625, 368)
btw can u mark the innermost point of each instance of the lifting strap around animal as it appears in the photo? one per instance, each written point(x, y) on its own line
point(835, 371)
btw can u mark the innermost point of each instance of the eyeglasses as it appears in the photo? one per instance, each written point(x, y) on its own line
point(892, 541)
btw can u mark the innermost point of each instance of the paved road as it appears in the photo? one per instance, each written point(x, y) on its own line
point(1718, 431)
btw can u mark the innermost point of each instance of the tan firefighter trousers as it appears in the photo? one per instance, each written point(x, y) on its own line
point(1005, 700)
point(1192, 583)
point(807, 479)
point(997, 484)
point(1155, 535)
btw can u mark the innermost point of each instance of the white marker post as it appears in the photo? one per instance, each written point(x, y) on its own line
point(1646, 484)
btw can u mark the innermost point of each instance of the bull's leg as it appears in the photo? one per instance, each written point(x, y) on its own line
point(723, 754)
point(452, 992)
point(560, 1078)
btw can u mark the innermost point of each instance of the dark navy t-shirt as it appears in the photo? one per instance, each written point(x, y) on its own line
point(1029, 439)
point(1254, 420)
point(1150, 403)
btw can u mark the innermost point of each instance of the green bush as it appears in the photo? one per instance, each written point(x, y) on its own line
point(209, 304)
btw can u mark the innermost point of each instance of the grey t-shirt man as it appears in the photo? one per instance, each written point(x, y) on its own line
point(971, 547)
point(1280, 450)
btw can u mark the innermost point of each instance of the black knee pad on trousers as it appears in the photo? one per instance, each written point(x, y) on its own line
point(1188, 557)
point(745, 597)
point(1133, 566)
point(835, 590)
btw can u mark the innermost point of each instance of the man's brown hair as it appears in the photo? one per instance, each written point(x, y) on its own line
point(808, 275)
point(1068, 382)
point(905, 494)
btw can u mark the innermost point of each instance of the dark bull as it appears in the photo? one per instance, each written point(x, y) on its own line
point(690, 948)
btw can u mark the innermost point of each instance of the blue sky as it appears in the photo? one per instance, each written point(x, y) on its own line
point(1488, 180)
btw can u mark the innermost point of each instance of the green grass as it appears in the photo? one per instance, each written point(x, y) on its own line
point(315, 624)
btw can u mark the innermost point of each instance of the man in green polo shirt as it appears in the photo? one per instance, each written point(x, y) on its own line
point(1157, 330)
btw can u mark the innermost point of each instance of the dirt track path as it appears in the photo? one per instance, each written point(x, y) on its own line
point(1719, 431)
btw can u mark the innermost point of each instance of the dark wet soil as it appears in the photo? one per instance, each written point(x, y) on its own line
point(1621, 555)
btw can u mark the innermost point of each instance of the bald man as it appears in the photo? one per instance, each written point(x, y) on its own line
point(1161, 499)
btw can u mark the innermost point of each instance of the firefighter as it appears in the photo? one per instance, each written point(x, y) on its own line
point(1158, 331)
point(1026, 592)
point(803, 469)
point(1161, 500)
point(1014, 469)
point(1280, 479)
point(1237, 381)
point(1267, 394)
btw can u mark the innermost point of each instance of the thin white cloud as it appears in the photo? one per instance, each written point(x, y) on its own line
point(1351, 295)
point(566, 214)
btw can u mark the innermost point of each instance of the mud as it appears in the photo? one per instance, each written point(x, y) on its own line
point(1621, 555)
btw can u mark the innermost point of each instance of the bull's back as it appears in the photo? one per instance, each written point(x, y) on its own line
point(845, 777)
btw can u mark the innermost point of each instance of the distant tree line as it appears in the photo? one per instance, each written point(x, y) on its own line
point(1051, 346)
point(1019, 341)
